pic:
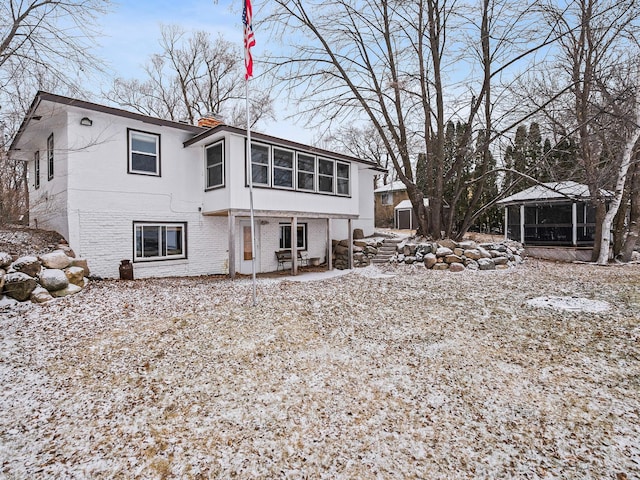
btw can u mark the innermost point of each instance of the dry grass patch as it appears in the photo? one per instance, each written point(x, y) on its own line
point(420, 375)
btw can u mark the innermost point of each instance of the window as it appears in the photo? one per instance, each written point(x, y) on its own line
point(50, 157)
point(285, 168)
point(306, 172)
point(144, 153)
point(387, 198)
point(36, 169)
point(215, 165)
point(282, 168)
point(159, 241)
point(260, 164)
point(342, 179)
point(325, 175)
point(285, 236)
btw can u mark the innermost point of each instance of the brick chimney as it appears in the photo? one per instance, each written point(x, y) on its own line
point(210, 120)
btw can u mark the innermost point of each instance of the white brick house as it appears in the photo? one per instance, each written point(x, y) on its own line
point(174, 198)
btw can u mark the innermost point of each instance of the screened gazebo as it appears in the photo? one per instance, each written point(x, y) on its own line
point(551, 214)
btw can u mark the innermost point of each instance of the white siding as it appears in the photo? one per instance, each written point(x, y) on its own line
point(48, 204)
point(94, 201)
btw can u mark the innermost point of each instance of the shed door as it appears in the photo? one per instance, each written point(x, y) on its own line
point(404, 219)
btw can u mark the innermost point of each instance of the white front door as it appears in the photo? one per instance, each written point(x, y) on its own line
point(245, 247)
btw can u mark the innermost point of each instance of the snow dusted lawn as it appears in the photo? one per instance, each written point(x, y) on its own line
point(419, 375)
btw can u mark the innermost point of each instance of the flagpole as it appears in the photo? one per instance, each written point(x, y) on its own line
point(249, 41)
point(253, 236)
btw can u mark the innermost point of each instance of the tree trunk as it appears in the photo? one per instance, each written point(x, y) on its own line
point(633, 231)
point(625, 163)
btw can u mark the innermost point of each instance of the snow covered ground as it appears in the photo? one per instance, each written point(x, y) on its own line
point(408, 373)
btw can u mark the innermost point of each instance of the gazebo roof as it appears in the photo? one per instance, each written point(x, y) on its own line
point(552, 191)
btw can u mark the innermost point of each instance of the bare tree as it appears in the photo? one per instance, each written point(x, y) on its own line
point(594, 47)
point(43, 44)
point(363, 142)
point(192, 76)
point(399, 66)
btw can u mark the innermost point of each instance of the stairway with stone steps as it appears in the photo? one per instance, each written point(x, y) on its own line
point(387, 250)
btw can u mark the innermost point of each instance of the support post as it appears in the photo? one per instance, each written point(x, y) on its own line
point(506, 223)
point(350, 240)
point(522, 224)
point(574, 224)
point(232, 246)
point(294, 245)
point(329, 246)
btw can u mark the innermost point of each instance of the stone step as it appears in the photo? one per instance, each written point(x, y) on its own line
point(379, 260)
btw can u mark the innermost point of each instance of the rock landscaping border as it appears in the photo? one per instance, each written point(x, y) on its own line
point(41, 278)
point(436, 255)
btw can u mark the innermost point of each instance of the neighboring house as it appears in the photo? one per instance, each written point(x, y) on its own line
point(553, 214)
point(386, 199)
point(174, 198)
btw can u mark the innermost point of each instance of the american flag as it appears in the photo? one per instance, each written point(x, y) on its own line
point(249, 39)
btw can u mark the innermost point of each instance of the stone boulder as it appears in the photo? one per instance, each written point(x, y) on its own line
point(453, 259)
point(41, 295)
point(358, 233)
point(53, 279)
point(430, 260)
point(5, 260)
point(486, 264)
point(70, 290)
point(441, 266)
point(456, 267)
point(82, 263)
point(473, 254)
point(447, 243)
point(500, 260)
point(341, 250)
point(443, 251)
point(28, 265)
point(2, 275)
point(19, 285)
point(55, 260)
point(68, 251)
point(75, 275)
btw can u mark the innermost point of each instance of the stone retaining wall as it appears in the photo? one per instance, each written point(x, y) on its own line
point(458, 256)
point(41, 278)
point(437, 255)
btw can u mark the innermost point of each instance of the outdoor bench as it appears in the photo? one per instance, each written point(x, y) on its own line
point(284, 256)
